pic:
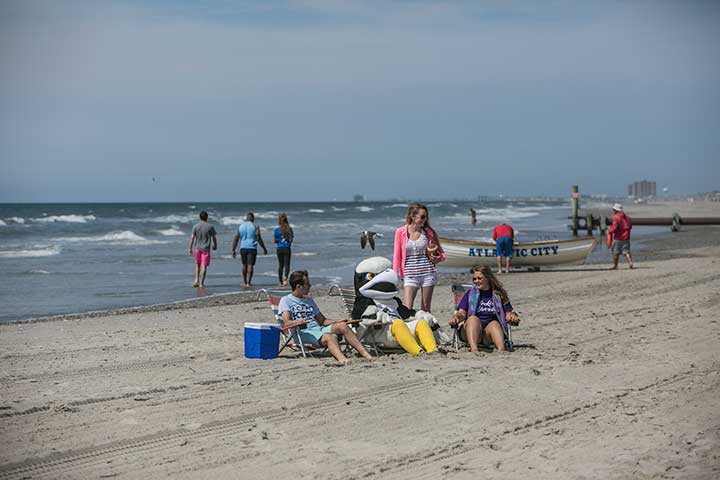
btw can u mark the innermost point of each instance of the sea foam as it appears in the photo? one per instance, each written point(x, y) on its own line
point(31, 253)
point(170, 232)
point(65, 218)
point(188, 218)
point(127, 237)
point(232, 220)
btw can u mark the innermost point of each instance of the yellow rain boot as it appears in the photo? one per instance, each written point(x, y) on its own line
point(425, 335)
point(401, 333)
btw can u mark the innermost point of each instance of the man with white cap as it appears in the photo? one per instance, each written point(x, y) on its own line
point(620, 231)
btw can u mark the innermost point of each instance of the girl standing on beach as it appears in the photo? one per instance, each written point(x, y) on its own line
point(283, 238)
point(417, 251)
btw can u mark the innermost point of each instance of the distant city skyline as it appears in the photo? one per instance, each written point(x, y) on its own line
point(124, 100)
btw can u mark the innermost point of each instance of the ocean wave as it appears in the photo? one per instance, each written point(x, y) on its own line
point(396, 205)
point(19, 220)
point(364, 208)
point(64, 218)
point(316, 210)
point(38, 272)
point(127, 237)
point(2, 224)
point(335, 226)
point(495, 214)
point(187, 218)
point(384, 229)
point(338, 209)
point(232, 220)
point(31, 253)
point(304, 254)
point(271, 214)
point(170, 232)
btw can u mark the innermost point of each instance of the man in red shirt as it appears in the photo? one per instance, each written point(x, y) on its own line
point(504, 235)
point(620, 231)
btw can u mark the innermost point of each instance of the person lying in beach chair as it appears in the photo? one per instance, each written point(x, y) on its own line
point(299, 310)
point(289, 337)
point(485, 312)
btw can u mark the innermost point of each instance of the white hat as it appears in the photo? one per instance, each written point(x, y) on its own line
point(617, 207)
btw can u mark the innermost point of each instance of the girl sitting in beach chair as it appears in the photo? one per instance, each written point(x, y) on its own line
point(485, 311)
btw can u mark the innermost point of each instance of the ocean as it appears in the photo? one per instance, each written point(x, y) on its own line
point(68, 258)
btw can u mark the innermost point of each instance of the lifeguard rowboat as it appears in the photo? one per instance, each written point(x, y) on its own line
point(461, 253)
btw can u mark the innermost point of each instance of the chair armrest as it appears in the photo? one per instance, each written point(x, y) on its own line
point(285, 328)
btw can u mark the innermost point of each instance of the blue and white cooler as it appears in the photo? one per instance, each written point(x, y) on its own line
point(262, 340)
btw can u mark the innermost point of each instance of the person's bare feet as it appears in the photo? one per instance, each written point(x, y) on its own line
point(631, 266)
point(613, 268)
point(499, 271)
point(196, 284)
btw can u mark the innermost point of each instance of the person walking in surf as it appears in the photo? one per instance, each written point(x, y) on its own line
point(203, 234)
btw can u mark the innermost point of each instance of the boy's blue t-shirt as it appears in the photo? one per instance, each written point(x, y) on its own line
point(282, 242)
point(247, 235)
point(486, 307)
point(303, 308)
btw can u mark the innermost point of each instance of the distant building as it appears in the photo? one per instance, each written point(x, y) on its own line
point(358, 198)
point(642, 189)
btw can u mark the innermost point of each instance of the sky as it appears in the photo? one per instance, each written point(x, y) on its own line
point(139, 101)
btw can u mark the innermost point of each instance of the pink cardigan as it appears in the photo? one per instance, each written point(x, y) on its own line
point(401, 238)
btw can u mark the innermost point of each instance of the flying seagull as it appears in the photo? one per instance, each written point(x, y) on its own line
point(369, 237)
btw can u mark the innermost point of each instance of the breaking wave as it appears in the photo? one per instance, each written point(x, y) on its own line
point(127, 237)
point(65, 218)
point(31, 253)
point(170, 232)
point(187, 218)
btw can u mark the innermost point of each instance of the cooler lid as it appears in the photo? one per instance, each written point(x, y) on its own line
point(261, 326)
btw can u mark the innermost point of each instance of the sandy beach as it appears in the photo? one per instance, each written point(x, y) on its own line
point(616, 375)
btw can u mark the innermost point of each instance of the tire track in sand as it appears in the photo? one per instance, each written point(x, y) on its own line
point(419, 461)
point(70, 406)
point(67, 462)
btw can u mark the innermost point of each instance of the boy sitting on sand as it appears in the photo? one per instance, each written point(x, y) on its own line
point(299, 310)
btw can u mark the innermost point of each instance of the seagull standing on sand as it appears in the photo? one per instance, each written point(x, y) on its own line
point(369, 237)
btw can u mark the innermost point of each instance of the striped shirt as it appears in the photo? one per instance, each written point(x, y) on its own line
point(416, 262)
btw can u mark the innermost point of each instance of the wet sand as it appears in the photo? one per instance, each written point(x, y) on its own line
point(616, 375)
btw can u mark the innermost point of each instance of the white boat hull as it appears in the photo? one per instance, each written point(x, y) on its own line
point(461, 253)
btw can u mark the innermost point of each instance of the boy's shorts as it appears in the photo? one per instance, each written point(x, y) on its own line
point(504, 247)
point(621, 247)
point(423, 280)
point(202, 257)
point(312, 335)
point(248, 256)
